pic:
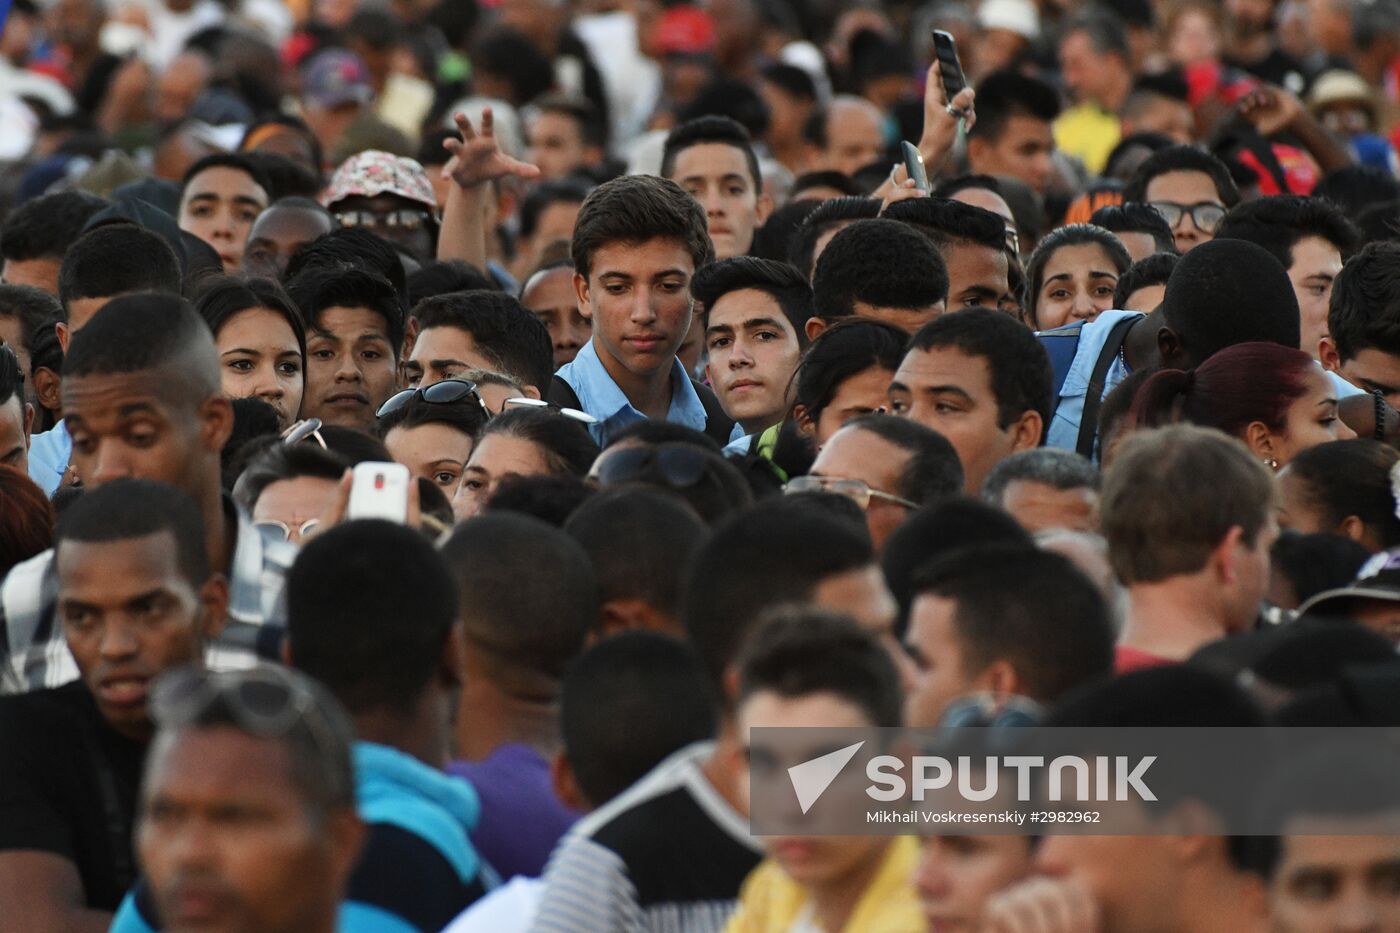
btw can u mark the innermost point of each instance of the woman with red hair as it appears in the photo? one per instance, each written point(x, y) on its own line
point(1275, 399)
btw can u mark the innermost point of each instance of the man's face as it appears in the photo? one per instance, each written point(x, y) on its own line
point(1139, 245)
point(855, 453)
point(1023, 151)
point(42, 273)
point(1145, 299)
point(126, 425)
point(556, 145)
point(401, 221)
point(1315, 265)
point(1172, 118)
point(1251, 577)
point(277, 234)
point(863, 595)
point(1328, 883)
point(1038, 506)
point(443, 353)
point(1083, 68)
point(226, 840)
point(951, 392)
point(219, 206)
point(717, 175)
point(550, 295)
point(958, 874)
point(854, 137)
point(1135, 880)
point(12, 336)
point(977, 275)
point(638, 297)
point(1374, 371)
point(753, 353)
point(350, 367)
point(788, 114)
point(555, 223)
point(16, 416)
point(1186, 189)
point(1246, 18)
point(128, 615)
point(941, 670)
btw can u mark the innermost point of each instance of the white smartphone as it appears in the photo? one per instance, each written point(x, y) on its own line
point(379, 490)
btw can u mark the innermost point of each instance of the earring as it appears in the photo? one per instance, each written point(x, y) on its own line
point(1271, 463)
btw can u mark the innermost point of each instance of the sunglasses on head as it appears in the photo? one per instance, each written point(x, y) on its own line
point(540, 404)
point(302, 430)
point(857, 491)
point(446, 392)
point(678, 466)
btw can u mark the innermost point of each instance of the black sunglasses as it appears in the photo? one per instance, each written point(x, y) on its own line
point(445, 392)
point(679, 466)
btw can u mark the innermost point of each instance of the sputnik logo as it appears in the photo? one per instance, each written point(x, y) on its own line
point(811, 778)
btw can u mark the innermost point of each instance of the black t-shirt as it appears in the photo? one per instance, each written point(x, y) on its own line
point(1278, 67)
point(68, 784)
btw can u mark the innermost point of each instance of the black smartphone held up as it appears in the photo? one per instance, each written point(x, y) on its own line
point(946, 50)
point(914, 165)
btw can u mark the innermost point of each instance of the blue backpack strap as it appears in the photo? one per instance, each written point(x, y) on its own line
point(1061, 345)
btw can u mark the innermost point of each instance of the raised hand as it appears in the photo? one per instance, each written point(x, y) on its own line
point(941, 117)
point(1271, 109)
point(477, 157)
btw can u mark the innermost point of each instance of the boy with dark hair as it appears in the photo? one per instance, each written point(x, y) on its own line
point(972, 242)
point(806, 667)
point(136, 597)
point(220, 197)
point(1141, 229)
point(980, 379)
point(1013, 134)
point(1189, 187)
point(286, 226)
point(1142, 287)
point(755, 312)
point(1311, 239)
point(480, 329)
point(640, 541)
point(1005, 620)
point(16, 415)
point(36, 235)
point(817, 228)
point(355, 330)
point(880, 269)
point(547, 217)
point(566, 136)
point(890, 467)
point(638, 242)
point(1364, 322)
point(528, 600)
point(397, 682)
point(24, 312)
point(713, 159)
point(142, 396)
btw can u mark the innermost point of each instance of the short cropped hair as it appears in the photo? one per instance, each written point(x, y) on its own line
point(509, 336)
point(1227, 292)
point(345, 585)
point(1148, 271)
point(1006, 94)
point(1058, 469)
point(933, 472)
point(778, 280)
point(831, 214)
point(1160, 520)
point(881, 263)
point(711, 129)
point(1277, 223)
point(800, 651)
point(127, 508)
point(944, 219)
point(1364, 310)
point(1351, 477)
point(146, 332)
point(45, 227)
point(528, 593)
point(32, 307)
point(117, 259)
point(1021, 377)
point(1032, 608)
point(1136, 218)
point(634, 209)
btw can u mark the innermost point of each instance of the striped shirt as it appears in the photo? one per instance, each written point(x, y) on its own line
point(668, 855)
point(34, 654)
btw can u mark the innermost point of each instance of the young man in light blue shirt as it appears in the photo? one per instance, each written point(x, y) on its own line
point(637, 243)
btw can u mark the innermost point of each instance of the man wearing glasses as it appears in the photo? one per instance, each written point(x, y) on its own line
point(1190, 188)
point(889, 466)
point(387, 195)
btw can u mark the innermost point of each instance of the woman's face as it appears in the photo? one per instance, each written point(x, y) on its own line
point(1076, 285)
point(259, 358)
point(436, 452)
point(496, 458)
point(865, 392)
point(286, 506)
point(1311, 420)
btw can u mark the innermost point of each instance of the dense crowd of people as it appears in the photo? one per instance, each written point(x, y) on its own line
point(435, 433)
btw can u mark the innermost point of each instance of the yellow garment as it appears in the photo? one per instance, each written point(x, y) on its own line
point(770, 901)
point(1089, 134)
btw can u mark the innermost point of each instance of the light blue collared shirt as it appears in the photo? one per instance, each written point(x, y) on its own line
point(1064, 426)
point(600, 396)
point(49, 454)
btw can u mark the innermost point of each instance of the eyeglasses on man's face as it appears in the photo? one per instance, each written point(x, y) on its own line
point(857, 491)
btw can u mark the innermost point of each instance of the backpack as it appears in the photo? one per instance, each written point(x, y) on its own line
point(1062, 346)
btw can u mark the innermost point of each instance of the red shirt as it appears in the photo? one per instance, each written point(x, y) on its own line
point(1126, 660)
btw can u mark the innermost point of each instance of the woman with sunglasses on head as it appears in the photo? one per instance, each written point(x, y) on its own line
point(522, 442)
point(261, 340)
point(1072, 275)
point(846, 373)
point(432, 430)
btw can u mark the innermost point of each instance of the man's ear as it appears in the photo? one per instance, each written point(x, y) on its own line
point(410, 337)
point(1327, 354)
point(213, 599)
point(1354, 528)
point(61, 331)
point(531, 391)
point(48, 388)
point(1026, 432)
point(814, 327)
point(452, 662)
point(805, 426)
point(216, 417)
point(561, 776)
point(1169, 349)
point(28, 422)
point(585, 307)
point(763, 208)
point(976, 150)
point(1000, 679)
point(1224, 554)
